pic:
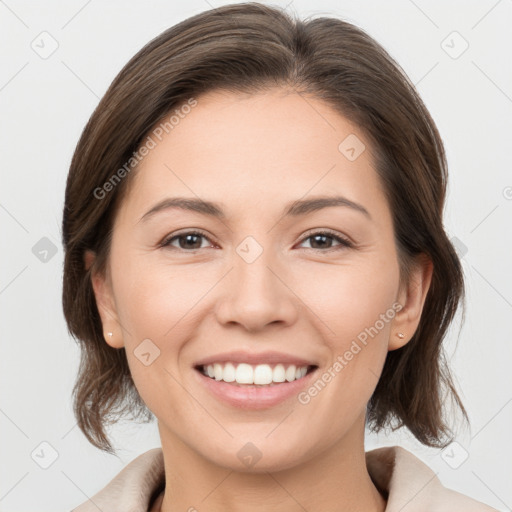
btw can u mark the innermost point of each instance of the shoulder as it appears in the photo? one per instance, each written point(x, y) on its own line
point(412, 486)
point(132, 489)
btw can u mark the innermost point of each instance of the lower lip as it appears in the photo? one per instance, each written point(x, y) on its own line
point(254, 397)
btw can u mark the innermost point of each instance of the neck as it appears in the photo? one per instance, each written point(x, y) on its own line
point(336, 479)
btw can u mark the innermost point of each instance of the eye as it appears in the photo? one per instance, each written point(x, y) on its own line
point(188, 240)
point(320, 239)
point(191, 240)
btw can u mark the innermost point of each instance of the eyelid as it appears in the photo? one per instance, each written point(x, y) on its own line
point(187, 231)
point(344, 241)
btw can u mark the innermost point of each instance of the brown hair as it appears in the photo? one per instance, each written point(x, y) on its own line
point(248, 48)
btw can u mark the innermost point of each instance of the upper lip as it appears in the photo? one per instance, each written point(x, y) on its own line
point(268, 357)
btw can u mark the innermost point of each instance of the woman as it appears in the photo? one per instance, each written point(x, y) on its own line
point(255, 255)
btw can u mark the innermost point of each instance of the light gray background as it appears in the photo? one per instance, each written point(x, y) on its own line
point(45, 103)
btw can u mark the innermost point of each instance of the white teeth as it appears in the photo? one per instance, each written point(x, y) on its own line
point(229, 374)
point(244, 374)
point(261, 374)
point(290, 373)
point(278, 374)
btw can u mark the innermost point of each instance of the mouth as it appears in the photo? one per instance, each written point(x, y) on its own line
point(260, 375)
point(253, 385)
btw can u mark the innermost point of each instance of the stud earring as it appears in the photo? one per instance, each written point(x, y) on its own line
point(110, 334)
point(401, 335)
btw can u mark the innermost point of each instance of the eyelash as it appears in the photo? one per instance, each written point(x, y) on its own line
point(344, 242)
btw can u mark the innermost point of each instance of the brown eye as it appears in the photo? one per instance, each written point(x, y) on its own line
point(190, 240)
point(324, 240)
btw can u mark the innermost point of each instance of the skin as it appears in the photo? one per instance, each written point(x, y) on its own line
point(254, 154)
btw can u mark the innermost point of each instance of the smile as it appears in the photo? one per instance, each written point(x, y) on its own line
point(259, 374)
point(253, 382)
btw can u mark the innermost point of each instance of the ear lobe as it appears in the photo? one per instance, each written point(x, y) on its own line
point(412, 297)
point(105, 303)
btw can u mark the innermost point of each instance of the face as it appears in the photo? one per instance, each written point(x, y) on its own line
point(264, 284)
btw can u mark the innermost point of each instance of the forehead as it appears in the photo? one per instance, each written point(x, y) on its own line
point(250, 150)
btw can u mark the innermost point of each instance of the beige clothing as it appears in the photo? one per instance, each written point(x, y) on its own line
point(408, 483)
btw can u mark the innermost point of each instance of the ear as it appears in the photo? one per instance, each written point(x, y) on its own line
point(105, 303)
point(412, 297)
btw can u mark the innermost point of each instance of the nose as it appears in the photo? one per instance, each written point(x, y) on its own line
point(256, 295)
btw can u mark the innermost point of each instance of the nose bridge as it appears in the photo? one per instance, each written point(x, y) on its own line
point(255, 294)
point(252, 274)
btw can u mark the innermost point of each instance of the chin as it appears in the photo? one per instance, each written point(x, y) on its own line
point(258, 453)
point(252, 459)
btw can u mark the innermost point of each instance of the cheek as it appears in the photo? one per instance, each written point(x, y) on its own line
point(351, 298)
point(160, 307)
point(355, 308)
point(154, 299)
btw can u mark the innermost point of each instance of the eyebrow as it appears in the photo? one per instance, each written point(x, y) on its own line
point(294, 209)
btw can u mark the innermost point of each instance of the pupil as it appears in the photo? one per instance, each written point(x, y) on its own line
point(190, 238)
point(322, 237)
